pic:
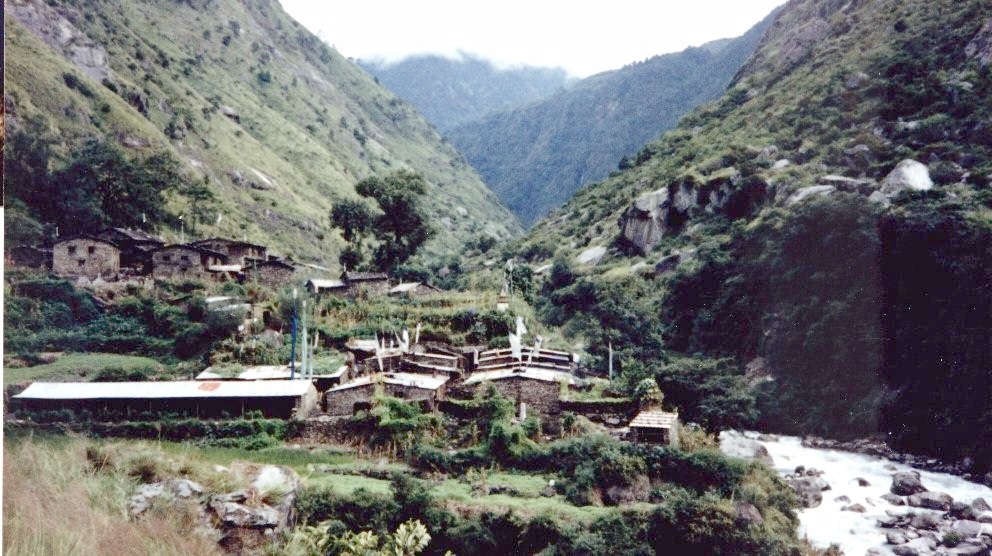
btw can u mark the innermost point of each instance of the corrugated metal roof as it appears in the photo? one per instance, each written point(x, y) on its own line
point(165, 389)
point(522, 372)
point(427, 382)
point(404, 288)
point(655, 419)
point(325, 283)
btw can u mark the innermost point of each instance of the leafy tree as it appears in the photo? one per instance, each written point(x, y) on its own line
point(353, 217)
point(202, 201)
point(400, 227)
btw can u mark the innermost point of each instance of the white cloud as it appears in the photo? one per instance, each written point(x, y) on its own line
point(583, 37)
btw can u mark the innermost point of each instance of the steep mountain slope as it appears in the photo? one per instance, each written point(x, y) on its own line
point(451, 92)
point(821, 233)
point(537, 156)
point(280, 124)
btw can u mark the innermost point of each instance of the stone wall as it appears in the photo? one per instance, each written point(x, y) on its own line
point(539, 395)
point(342, 402)
point(272, 275)
point(179, 262)
point(367, 288)
point(86, 257)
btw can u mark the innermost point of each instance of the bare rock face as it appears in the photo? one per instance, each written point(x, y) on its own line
point(980, 46)
point(808, 192)
point(643, 224)
point(591, 256)
point(58, 32)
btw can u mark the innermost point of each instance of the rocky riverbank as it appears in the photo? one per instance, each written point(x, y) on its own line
point(868, 504)
point(878, 448)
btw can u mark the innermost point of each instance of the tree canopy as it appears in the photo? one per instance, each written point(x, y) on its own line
point(399, 227)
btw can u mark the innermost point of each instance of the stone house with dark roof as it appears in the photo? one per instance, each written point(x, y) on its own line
point(271, 272)
point(346, 398)
point(136, 247)
point(187, 262)
point(369, 283)
point(236, 251)
point(87, 256)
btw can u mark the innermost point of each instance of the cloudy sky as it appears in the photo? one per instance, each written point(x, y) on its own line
point(582, 37)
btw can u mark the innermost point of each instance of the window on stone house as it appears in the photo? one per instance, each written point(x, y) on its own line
point(166, 258)
point(91, 249)
point(81, 262)
point(72, 249)
point(184, 258)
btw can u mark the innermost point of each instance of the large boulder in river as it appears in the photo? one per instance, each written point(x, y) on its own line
point(809, 490)
point(930, 500)
point(738, 446)
point(906, 482)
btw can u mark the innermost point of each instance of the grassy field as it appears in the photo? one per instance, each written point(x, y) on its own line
point(53, 503)
point(77, 367)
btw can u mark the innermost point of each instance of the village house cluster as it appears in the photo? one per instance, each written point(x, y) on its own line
point(117, 254)
point(427, 373)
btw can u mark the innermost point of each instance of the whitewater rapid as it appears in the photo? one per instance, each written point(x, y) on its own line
point(855, 533)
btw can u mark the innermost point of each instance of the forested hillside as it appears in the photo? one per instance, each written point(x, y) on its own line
point(230, 114)
point(537, 156)
point(811, 253)
point(451, 92)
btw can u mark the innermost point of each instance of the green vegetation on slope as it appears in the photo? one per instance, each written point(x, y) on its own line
point(450, 92)
point(278, 123)
point(535, 157)
point(869, 316)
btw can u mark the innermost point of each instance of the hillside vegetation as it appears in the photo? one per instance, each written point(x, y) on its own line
point(535, 157)
point(236, 99)
point(775, 253)
point(451, 92)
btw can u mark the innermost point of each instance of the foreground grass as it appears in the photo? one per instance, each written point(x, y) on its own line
point(54, 502)
point(76, 367)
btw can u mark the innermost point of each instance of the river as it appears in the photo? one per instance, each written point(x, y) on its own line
point(855, 532)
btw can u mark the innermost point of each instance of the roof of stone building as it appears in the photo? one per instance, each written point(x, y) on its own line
point(413, 380)
point(655, 419)
point(164, 389)
point(532, 373)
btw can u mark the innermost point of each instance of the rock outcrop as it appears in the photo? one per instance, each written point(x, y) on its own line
point(980, 46)
point(59, 33)
point(738, 446)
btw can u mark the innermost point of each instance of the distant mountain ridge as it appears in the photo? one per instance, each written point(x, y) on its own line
point(451, 92)
point(535, 157)
point(278, 125)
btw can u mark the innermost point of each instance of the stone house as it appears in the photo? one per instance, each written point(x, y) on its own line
point(370, 283)
point(533, 388)
point(236, 251)
point(86, 256)
point(320, 286)
point(655, 426)
point(270, 272)
point(186, 262)
point(344, 399)
point(136, 247)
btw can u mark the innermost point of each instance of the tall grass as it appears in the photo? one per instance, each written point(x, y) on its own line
point(55, 502)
